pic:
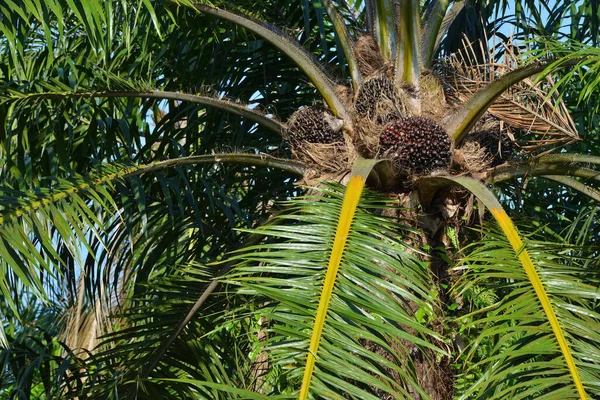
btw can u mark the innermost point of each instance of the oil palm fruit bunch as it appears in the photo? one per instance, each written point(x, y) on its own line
point(418, 144)
point(372, 93)
point(313, 124)
point(498, 146)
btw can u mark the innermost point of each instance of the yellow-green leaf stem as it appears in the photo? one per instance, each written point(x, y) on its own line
point(345, 42)
point(351, 198)
point(407, 53)
point(385, 31)
point(511, 233)
point(436, 12)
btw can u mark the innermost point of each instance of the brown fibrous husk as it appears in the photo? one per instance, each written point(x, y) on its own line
point(370, 60)
point(329, 157)
point(315, 179)
point(345, 94)
point(471, 157)
point(433, 98)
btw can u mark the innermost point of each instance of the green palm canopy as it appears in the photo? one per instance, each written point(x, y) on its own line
point(325, 199)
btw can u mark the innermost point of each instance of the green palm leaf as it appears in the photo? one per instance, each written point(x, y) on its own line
point(287, 45)
point(538, 289)
point(514, 331)
point(379, 280)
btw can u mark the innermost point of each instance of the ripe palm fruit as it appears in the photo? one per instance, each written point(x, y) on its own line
point(314, 124)
point(418, 144)
point(498, 146)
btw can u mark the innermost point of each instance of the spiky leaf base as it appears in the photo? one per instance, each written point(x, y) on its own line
point(418, 144)
point(314, 125)
point(498, 146)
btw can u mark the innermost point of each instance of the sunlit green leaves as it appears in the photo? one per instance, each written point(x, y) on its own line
point(511, 351)
point(370, 328)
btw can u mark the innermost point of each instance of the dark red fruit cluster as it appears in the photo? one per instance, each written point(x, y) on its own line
point(418, 144)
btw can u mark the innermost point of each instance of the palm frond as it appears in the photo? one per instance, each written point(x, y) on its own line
point(34, 364)
point(583, 60)
point(17, 98)
point(149, 322)
point(573, 183)
point(377, 336)
point(537, 290)
point(504, 173)
point(433, 26)
point(522, 103)
point(288, 46)
point(360, 173)
point(384, 26)
point(570, 158)
point(32, 221)
point(511, 350)
point(65, 25)
point(346, 42)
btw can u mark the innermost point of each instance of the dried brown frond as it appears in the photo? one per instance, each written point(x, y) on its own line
point(525, 106)
point(370, 60)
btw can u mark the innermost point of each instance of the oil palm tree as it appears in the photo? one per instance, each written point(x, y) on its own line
point(184, 187)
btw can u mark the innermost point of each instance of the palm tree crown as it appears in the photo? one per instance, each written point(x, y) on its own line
point(333, 199)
